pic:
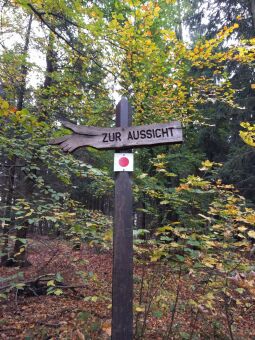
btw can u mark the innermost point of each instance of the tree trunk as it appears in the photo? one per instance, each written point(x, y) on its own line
point(24, 69)
point(19, 252)
point(252, 2)
point(51, 65)
point(8, 210)
point(141, 216)
point(179, 31)
point(50, 62)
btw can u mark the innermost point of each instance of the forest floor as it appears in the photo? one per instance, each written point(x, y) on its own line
point(85, 312)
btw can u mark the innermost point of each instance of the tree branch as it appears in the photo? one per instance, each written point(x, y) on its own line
point(60, 36)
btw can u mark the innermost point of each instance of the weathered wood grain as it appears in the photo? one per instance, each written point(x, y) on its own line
point(122, 273)
point(120, 138)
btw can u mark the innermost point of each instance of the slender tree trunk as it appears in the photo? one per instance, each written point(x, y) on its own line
point(141, 215)
point(8, 210)
point(50, 62)
point(179, 27)
point(24, 69)
point(252, 3)
point(19, 252)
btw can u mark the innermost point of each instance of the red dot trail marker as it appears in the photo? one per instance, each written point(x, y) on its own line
point(122, 139)
point(123, 162)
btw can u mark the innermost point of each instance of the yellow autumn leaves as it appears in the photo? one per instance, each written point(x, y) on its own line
point(248, 135)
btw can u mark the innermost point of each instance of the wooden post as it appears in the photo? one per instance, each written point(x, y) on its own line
point(122, 274)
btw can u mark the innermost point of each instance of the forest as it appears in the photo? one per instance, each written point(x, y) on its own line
point(69, 62)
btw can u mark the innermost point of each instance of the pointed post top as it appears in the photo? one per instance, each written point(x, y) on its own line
point(123, 113)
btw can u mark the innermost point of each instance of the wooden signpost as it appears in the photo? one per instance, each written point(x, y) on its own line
point(122, 137)
point(122, 269)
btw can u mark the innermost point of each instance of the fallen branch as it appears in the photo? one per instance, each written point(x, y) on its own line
point(28, 282)
point(38, 286)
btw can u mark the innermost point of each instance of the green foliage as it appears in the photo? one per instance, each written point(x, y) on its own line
point(205, 235)
point(25, 138)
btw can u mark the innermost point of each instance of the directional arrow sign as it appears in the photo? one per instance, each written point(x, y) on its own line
point(120, 138)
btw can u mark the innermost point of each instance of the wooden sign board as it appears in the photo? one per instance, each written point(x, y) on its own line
point(120, 138)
